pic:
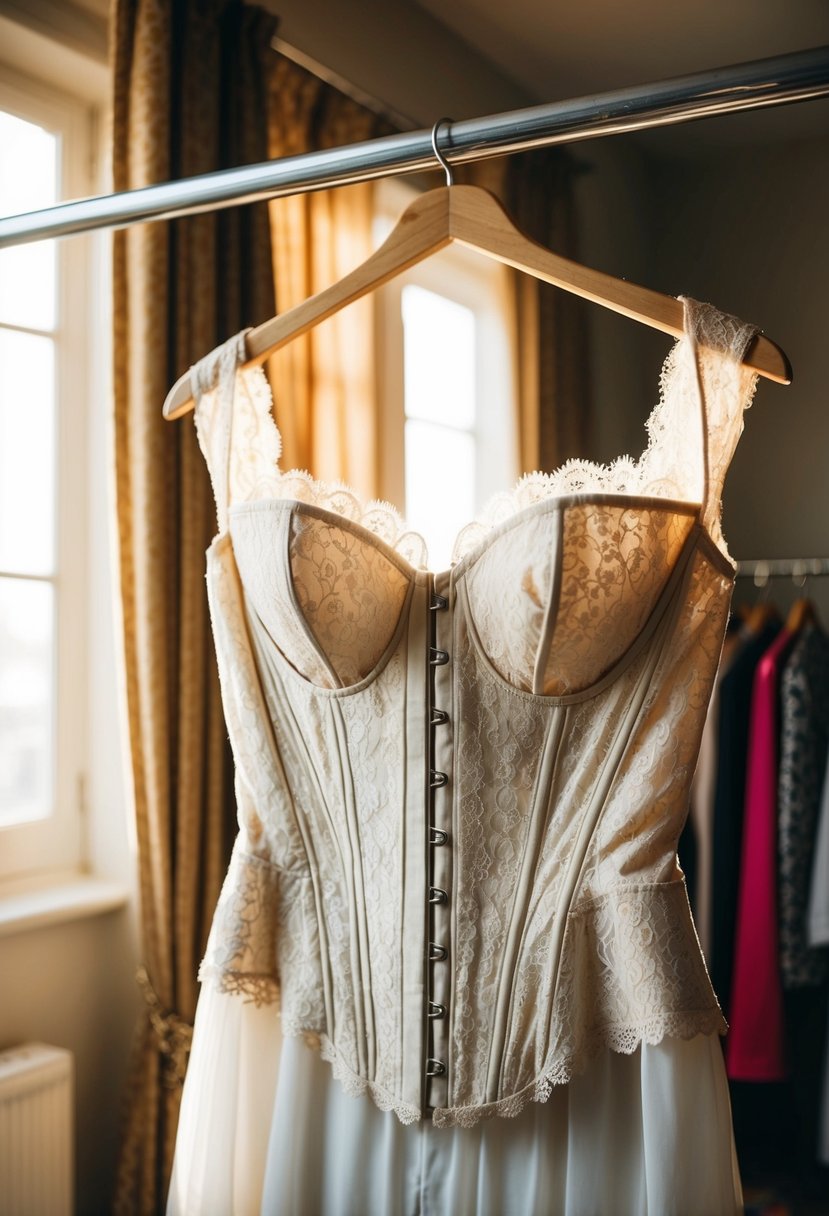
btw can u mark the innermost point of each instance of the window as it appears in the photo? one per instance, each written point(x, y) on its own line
point(447, 382)
point(45, 148)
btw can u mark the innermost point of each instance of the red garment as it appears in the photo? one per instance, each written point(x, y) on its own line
point(755, 1048)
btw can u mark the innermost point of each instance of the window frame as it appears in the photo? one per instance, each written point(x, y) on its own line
point(57, 842)
point(485, 287)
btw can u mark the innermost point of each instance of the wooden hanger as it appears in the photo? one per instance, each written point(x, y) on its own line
point(802, 612)
point(761, 614)
point(473, 217)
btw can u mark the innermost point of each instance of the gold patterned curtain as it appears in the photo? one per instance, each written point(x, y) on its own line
point(197, 86)
point(554, 369)
point(190, 96)
point(324, 382)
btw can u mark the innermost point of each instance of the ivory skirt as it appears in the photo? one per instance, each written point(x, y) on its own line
point(265, 1130)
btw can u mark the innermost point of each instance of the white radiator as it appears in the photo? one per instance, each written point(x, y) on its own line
point(36, 1131)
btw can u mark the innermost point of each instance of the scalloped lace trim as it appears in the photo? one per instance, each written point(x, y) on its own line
point(622, 476)
point(669, 467)
point(672, 464)
point(380, 517)
point(624, 1040)
point(353, 1084)
point(258, 989)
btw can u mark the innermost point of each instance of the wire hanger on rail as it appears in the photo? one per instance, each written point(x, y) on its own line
point(474, 217)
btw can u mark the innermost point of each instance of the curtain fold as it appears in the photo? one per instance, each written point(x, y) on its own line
point(324, 383)
point(190, 96)
point(197, 87)
point(555, 397)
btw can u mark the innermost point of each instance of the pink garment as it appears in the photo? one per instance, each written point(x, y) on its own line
point(755, 1048)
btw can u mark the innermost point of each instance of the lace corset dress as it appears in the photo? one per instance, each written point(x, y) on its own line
point(453, 969)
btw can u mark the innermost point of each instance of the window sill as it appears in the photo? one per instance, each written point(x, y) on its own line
point(56, 899)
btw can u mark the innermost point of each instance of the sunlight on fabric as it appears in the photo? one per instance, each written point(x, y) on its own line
point(29, 159)
point(439, 379)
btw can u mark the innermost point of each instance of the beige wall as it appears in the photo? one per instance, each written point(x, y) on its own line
point(71, 985)
point(398, 53)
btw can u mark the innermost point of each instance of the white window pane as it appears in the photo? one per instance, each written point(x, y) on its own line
point(27, 285)
point(28, 181)
point(26, 692)
point(440, 485)
point(27, 455)
point(29, 157)
point(439, 358)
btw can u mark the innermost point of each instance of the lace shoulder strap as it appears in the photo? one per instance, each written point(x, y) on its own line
point(726, 387)
point(213, 383)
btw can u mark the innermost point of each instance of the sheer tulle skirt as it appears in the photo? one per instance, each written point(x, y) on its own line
point(265, 1130)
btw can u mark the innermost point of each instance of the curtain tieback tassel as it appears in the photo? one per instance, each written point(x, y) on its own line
point(173, 1035)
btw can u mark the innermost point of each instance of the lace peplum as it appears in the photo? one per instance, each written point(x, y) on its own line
point(460, 793)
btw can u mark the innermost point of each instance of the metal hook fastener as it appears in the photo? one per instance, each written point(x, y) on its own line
point(450, 176)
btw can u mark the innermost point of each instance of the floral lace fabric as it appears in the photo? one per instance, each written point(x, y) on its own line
point(243, 454)
point(583, 631)
point(555, 626)
point(351, 592)
point(612, 994)
point(682, 440)
point(673, 464)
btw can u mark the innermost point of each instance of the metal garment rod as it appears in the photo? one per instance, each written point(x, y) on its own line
point(798, 76)
point(762, 569)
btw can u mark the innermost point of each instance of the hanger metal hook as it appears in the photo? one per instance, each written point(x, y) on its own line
point(800, 572)
point(450, 176)
point(762, 578)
